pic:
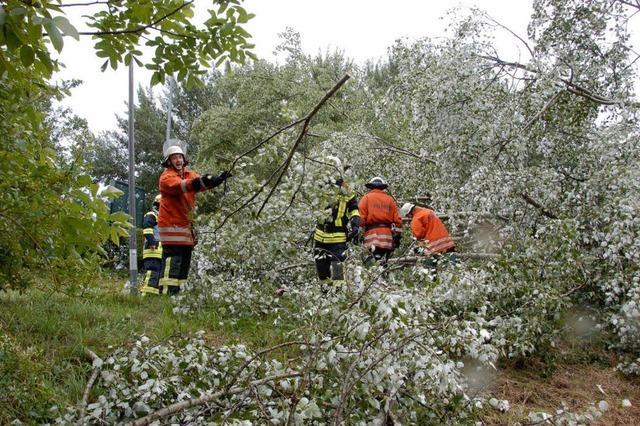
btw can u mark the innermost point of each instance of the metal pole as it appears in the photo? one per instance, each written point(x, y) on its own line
point(169, 108)
point(133, 254)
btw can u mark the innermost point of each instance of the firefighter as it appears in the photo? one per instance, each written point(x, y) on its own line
point(152, 252)
point(380, 218)
point(178, 187)
point(433, 238)
point(341, 225)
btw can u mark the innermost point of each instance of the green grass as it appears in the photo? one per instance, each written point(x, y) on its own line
point(43, 337)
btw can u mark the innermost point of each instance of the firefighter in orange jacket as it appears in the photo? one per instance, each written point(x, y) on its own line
point(380, 218)
point(433, 237)
point(178, 187)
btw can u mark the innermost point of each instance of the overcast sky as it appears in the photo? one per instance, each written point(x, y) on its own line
point(363, 29)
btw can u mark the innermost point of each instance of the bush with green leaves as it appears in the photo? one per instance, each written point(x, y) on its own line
point(54, 217)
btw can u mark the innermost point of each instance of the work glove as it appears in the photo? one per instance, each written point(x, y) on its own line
point(353, 230)
point(211, 181)
point(225, 175)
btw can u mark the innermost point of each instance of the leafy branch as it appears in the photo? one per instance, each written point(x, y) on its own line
point(281, 169)
point(185, 405)
point(140, 28)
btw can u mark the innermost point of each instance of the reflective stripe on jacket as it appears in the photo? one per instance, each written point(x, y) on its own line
point(151, 236)
point(334, 230)
point(177, 203)
point(429, 229)
point(379, 208)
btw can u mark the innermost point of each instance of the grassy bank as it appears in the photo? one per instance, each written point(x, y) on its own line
point(43, 337)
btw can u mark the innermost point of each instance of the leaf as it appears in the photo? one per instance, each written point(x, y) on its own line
point(44, 58)
point(111, 192)
point(243, 16)
point(220, 60)
point(12, 40)
point(27, 56)
point(65, 26)
point(115, 239)
point(188, 11)
point(17, 11)
point(226, 29)
point(155, 78)
point(84, 180)
point(119, 216)
point(55, 36)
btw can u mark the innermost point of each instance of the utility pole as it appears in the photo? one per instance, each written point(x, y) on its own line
point(133, 253)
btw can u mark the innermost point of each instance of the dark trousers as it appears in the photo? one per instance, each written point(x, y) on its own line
point(176, 261)
point(152, 267)
point(324, 254)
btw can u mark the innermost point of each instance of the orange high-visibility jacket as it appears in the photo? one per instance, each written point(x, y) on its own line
point(428, 227)
point(177, 202)
point(378, 211)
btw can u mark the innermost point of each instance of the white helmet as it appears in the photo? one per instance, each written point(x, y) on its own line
point(157, 199)
point(376, 182)
point(406, 209)
point(174, 149)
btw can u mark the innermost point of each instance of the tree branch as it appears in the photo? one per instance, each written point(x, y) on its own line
point(587, 94)
point(140, 28)
point(542, 111)
point(83, 4)
point(570, 85)
point(630, 4)
point(512, 33)
point(87, 389)
point(303, 132)
point(185, 405)
point(161, 31)
point(545, 212)
point(276, 133)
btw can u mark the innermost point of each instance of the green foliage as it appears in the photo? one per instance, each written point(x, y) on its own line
point(181, 48)
point(23, 39)
point(54, 218)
